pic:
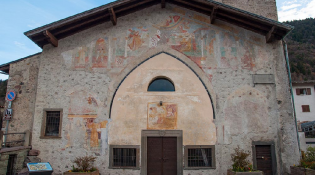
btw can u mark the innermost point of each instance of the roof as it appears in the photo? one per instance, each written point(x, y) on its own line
point(304, 82)
point(52, 32)
point(6, 67)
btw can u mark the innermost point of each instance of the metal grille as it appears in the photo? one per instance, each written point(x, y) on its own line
point(52, 123)
point(11, 162)
point(199, 157)
point(125, 157)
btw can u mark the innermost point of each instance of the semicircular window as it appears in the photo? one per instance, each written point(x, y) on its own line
point(161, 85)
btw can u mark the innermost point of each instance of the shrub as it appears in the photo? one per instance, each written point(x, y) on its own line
point(240, 162)
point(84, 164)
point(308, 158)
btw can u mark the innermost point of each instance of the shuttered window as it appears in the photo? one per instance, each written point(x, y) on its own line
point(303, 91)
point(306, 108)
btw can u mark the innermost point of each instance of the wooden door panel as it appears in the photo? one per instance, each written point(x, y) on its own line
point(154, 155)
point(169, 156)
point(161, 156)
point(263, 159)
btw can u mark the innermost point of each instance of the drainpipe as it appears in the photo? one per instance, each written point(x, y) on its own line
point(290, 81)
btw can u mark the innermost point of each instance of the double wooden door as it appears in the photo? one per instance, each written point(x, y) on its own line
point(162, 156)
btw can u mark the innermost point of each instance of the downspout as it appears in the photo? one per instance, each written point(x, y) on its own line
point(286, 54)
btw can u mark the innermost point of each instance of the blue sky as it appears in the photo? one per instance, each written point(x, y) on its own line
point(19, 16)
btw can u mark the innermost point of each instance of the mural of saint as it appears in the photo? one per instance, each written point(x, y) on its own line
point(81, 58)
point(135, 41)
point(100, 54)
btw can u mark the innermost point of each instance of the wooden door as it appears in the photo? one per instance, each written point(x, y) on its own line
point(264, 159)
point(162, 155)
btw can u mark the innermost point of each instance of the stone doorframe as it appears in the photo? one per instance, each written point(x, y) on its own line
point(273, 154)
point(161, 133)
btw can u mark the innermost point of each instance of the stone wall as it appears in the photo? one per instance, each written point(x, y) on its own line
point(265, 8)
point(19, 164)
point(23, 80)
point(82, 74)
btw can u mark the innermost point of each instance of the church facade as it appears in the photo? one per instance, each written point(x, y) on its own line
point(154, 86)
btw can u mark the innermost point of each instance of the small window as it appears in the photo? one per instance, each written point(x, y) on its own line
point(52, 121)
point(161, 85)
point(199, 157)
point(306, 108)
point(124, 157)
point(303, 91)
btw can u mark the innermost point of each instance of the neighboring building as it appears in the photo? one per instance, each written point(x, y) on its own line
point(304, 101)
point(130, 81)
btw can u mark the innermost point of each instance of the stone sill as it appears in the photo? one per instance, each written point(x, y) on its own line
point(4, 150)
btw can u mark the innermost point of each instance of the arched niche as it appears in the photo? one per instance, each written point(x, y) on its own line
point(189, 108)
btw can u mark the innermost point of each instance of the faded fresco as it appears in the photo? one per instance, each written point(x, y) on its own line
point(162, 116)
point(82, 104)
point(246, 111)
point(210, 47)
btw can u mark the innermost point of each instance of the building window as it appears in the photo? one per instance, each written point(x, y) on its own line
point(306, 108)
point(161, 85)
point(51, 125)
point(303, 91)
point(199, 157)
point(124, 157)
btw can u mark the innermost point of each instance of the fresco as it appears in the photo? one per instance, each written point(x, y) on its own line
point(162, 117)
point(81, 58)
point(82, 104)
point(211, 47)
point(100, 53)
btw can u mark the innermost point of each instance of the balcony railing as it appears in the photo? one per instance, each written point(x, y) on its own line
point(22, 141)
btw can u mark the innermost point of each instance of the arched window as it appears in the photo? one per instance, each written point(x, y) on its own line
point(161, 85)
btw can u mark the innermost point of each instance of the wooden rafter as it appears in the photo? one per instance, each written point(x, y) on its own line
point(163, 3)
point(51, 38)
point(193, 5)
point(270, 34)
point(113, 17)
point(213, 14)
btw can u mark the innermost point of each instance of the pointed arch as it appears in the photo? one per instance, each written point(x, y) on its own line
point(139, 64)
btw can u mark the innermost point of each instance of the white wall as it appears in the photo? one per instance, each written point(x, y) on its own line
point(300, 100)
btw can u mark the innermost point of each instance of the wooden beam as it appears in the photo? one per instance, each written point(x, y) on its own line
point(193, 5)
point(213, 14)
point(113, 17)
point(162, 4)
point(51, 38)
point(270, 34)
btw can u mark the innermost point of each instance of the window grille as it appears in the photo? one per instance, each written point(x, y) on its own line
point(11, 163)
point(124, 157)
point(200, 157)
point(52, 123)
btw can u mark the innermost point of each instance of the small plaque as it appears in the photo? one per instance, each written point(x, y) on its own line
point(33, 167)
point(264, 79)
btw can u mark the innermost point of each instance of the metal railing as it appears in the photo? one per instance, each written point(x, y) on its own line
point(4, 137)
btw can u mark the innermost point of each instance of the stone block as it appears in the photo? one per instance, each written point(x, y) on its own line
point(33, 152)
point(23, 172)
point(301, 171)
point(31, 159)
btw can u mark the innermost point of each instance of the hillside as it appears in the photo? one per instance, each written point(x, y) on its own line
point(301, 46)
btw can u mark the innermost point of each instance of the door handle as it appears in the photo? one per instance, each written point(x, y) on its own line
point(262, 157)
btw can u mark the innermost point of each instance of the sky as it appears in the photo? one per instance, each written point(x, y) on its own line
point(19, 16)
